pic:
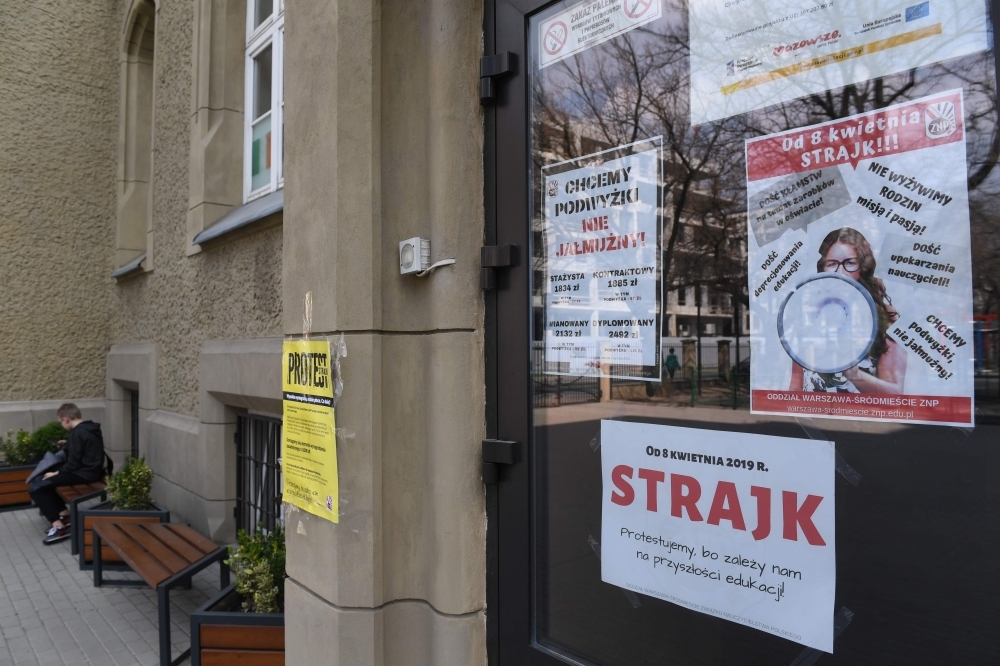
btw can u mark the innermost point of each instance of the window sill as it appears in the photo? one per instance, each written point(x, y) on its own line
point(242, 218)
point(129, 268)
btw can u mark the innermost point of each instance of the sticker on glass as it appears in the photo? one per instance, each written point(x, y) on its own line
point(748, 54)
point(733, 525)
point(589, 23)
point(860, 273)
point(602, 251)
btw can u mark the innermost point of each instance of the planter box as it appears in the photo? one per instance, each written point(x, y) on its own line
point(13, 490)
point(83, 531)
point(221, 633)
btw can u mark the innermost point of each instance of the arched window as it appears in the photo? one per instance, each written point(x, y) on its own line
point(135, 158)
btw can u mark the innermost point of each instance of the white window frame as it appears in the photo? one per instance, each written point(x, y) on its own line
point(271, 32)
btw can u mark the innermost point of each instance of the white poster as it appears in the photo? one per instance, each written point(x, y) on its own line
point(589, 23)
point(733, 525)
point(602, 251)
point(747, 54)
point(860, 273)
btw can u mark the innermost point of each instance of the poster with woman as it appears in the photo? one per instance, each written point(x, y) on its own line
point(860, 267)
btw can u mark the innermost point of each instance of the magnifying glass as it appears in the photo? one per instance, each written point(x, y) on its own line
point(828, 323)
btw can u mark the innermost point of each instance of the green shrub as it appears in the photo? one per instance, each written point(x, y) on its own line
point(12, 447)
point(259, 564)
point(128, 489)
point(44, 439)
point(22, 448)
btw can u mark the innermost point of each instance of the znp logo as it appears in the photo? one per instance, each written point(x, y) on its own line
point(939, 120)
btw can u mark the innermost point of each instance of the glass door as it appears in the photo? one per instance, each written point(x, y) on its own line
point(751, 351)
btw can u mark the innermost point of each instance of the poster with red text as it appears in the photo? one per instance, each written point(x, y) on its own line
point(860, 277)
point(730, 524)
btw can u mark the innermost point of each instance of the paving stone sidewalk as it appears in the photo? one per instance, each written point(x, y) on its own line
point(51, 613)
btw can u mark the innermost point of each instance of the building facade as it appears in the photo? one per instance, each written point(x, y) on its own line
point(185, 185)
point(165, 221)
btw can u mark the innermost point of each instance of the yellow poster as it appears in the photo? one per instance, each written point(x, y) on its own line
point(308, 441)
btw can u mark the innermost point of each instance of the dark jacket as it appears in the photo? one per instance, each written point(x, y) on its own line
point(85, 452)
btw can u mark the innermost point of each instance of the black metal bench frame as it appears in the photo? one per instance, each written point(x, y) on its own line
point(180, 580)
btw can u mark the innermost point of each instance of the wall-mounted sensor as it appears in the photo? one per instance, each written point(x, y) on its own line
point(414, 255)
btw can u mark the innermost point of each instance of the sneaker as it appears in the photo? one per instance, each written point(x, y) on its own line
point(55, 535)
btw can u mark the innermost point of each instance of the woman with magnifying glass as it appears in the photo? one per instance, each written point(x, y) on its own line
point(846, 251)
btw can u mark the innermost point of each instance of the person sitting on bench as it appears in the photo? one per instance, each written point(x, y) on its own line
point(84, 464)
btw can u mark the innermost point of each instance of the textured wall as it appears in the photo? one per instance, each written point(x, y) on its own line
point(58, 140)
point(228, 292)
point(59, 309)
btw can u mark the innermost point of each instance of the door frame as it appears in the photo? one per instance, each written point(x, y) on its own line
point(509, 614)
point(510, 529)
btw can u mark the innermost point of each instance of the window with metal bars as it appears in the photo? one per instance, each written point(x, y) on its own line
point(134, 416)
point(258, 474)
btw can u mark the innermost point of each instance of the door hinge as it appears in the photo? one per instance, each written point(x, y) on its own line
point(497, 452)
point(492, 257)
point(491, 67)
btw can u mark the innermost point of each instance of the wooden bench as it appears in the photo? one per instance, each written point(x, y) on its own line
point(74, 496)
point(165, 556)
point(104, 512)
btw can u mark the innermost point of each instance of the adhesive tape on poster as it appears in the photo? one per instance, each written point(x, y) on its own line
point(828, 323)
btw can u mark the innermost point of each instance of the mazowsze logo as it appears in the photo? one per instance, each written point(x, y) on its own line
point(939, 120)
point(825, 38)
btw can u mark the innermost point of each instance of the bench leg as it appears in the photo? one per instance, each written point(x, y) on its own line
point(74, 548)
point(163, 601)
point(163, 596)
point(72, 528)
point(76, 532)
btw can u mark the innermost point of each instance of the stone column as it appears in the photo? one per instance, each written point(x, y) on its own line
point(384, 142)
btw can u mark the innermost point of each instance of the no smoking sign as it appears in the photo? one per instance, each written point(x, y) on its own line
point(636, 8)
point(555, 38)
point(588, 23)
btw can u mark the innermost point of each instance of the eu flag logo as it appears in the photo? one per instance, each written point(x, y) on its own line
point(918, 11)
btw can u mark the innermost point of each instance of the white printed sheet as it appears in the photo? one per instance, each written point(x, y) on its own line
point(589, 23)
point(602, 251)
point(748, 54)
point(734, 525)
